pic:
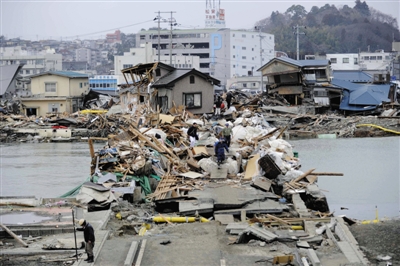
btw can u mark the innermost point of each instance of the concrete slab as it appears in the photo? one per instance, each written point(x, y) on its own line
point(221, 173)
point(236, 228)
point(224, 218)
point(300, 206)
point(267, 206)
point(190, 207)
point(257, 232)
point(226, 196)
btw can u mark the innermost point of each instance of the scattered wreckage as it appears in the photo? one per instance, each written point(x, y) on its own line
point(259, 193)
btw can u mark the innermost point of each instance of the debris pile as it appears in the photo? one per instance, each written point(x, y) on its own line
point(259, 192)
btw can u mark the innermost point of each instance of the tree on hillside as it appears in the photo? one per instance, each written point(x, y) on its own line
point(362, 8)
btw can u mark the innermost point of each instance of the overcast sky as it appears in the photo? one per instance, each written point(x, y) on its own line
point(90, 19)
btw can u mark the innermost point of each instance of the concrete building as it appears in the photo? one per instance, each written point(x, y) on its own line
point(344, 61)
point(224, 53)
point(146, 54)
point(35, 62)
point(378, 63)
point(104, 83)
point(55, 92)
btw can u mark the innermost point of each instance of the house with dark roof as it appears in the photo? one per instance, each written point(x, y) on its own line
point(56, 92)
point(295, 80)
point(165, 86)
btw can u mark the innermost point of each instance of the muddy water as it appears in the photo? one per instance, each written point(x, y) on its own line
point(44, 170)
point(371, 174)
point(370, 167)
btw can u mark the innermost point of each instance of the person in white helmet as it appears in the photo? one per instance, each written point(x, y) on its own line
point(88, 235)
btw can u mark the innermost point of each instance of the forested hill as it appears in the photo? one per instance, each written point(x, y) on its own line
point(332, 29)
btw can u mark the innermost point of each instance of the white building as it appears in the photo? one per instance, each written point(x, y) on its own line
point(343, 61)
point(224, 53)
point(374, 63)
point(146, 54)
point(34, 62)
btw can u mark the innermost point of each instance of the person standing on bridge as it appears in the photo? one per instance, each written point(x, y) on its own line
point(88, 234)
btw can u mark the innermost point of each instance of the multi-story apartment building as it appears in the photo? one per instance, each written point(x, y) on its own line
point(224, 53)
point(35, 62)
point(374, 63)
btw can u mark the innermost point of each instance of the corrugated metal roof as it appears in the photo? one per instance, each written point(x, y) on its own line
point(353, 76)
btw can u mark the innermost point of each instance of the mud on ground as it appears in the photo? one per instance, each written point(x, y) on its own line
point(381, 239)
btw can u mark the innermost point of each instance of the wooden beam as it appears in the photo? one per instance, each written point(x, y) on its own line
point(14, 235)
point(327, 174)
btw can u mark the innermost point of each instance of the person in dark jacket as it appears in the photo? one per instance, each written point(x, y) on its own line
point(88, 235)
point(218, 103)
point(192, 133)
point(229, 99)
point(219, 148)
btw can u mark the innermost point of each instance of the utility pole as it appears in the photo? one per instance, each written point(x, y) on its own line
point(170, 40)
point(298, 33)
point(261, 57)
point(158, 18)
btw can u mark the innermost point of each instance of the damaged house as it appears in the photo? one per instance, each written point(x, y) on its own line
point(163, 87)
point(56, 92)
point(358, 92)
point(8, 89)
point(298, 81)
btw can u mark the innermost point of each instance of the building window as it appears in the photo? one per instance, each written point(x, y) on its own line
point(333, 60)
point(366, 58)
point(345, 60)
point(234, 56)
point(192, 100)
point(192, 79)
point(379, 57)
point(372, 58)
point(244, 67)
point(158, 72)
point(234, 66)
point(50, 87)
point(243, 57)
point(243, 48)
point(127, 65)
point(234, 47)
point(233, 35)
point(355, 60)
point(80, 85)
point(243, 35)
point(252, 49)
point(244, 85)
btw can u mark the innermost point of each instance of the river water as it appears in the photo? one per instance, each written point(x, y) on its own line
point(370, 167)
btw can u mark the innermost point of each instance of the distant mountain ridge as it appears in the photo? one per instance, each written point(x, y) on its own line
point(331, 30)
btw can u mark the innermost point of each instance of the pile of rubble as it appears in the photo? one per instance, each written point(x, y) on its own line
point(259, 192)
point(298, 121)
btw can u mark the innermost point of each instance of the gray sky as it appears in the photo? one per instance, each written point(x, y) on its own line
point(92, 19)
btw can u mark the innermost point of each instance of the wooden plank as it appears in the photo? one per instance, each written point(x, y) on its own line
point(251, 167)
point(276, 219)
point(302, 176)
point(326, 174)
point(11, 233)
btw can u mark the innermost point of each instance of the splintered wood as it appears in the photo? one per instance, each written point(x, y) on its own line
point(167, 183)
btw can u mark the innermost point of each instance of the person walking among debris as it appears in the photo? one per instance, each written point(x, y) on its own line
point(218, 103)
point(229, 99)
point(88, 235)
point(192, 133)
point(226, 134)
point(219, 148)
